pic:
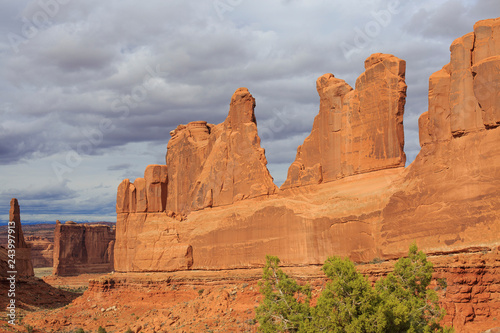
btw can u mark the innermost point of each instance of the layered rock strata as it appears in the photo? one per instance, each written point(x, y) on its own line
point(356, 131)
point(447, 200)
point(206, 166)
point(80, 249)
point(467, 284)
point(42, 251)
point(450, 196)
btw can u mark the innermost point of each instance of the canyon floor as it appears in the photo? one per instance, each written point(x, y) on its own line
point(225, 301)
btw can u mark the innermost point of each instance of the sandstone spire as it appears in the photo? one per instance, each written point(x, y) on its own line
point(355, 131)
point(464, 96)
point(24, 267)
point(206, 166)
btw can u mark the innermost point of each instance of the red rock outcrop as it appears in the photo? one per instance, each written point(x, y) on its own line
point(450, 194)
point(206, 166)
point(356, 131)
point(467, 284)
point(447, 200)
point(23, 264)
point(223, 163)
point(82, 249)
point(464, 96)
point(42, 251)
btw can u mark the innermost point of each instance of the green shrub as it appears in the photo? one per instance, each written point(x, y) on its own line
point(101, 330)
point(401, 302)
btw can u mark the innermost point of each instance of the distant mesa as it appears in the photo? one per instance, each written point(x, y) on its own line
point(83, 248)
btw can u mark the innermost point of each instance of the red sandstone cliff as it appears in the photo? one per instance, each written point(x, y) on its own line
point(206, 166)
point(450, 193)
point(82, 249)
point(447, 200)
point(301, 225)
point(356, 131)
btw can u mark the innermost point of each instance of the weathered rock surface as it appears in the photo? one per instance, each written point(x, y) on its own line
point(23, 264)
point(464, 96)
point(224, 163)
point(207, 166)
point(82, 249)
point(450, 195)
point(42, 251)
point(359, 200)
point(356, 131)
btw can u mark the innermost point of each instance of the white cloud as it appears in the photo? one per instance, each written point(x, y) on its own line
point(89, 60)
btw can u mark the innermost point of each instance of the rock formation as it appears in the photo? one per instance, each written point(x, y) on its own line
point(24, 267)
point(467, 285)
point(450, 196)
point(223, 163)
point(42, 251)
point(207, 166)
point(359, 200)
point(356, 131)
point(82, 249)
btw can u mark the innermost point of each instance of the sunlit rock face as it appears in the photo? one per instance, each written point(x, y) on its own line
point(214, 205)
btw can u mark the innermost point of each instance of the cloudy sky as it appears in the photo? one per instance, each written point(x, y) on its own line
point(89, 90)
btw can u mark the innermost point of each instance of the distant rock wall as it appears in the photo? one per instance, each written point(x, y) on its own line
point(356, 131)
point(42, 251)
point(82, 249)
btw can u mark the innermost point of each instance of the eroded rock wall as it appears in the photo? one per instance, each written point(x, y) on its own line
point(206, 166)
point(450, 196)
point(356, 131)
point(80, 249)
point(447, 200)
point(42, 251)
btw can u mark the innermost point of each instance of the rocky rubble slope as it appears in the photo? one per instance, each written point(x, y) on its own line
point(224, 301)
